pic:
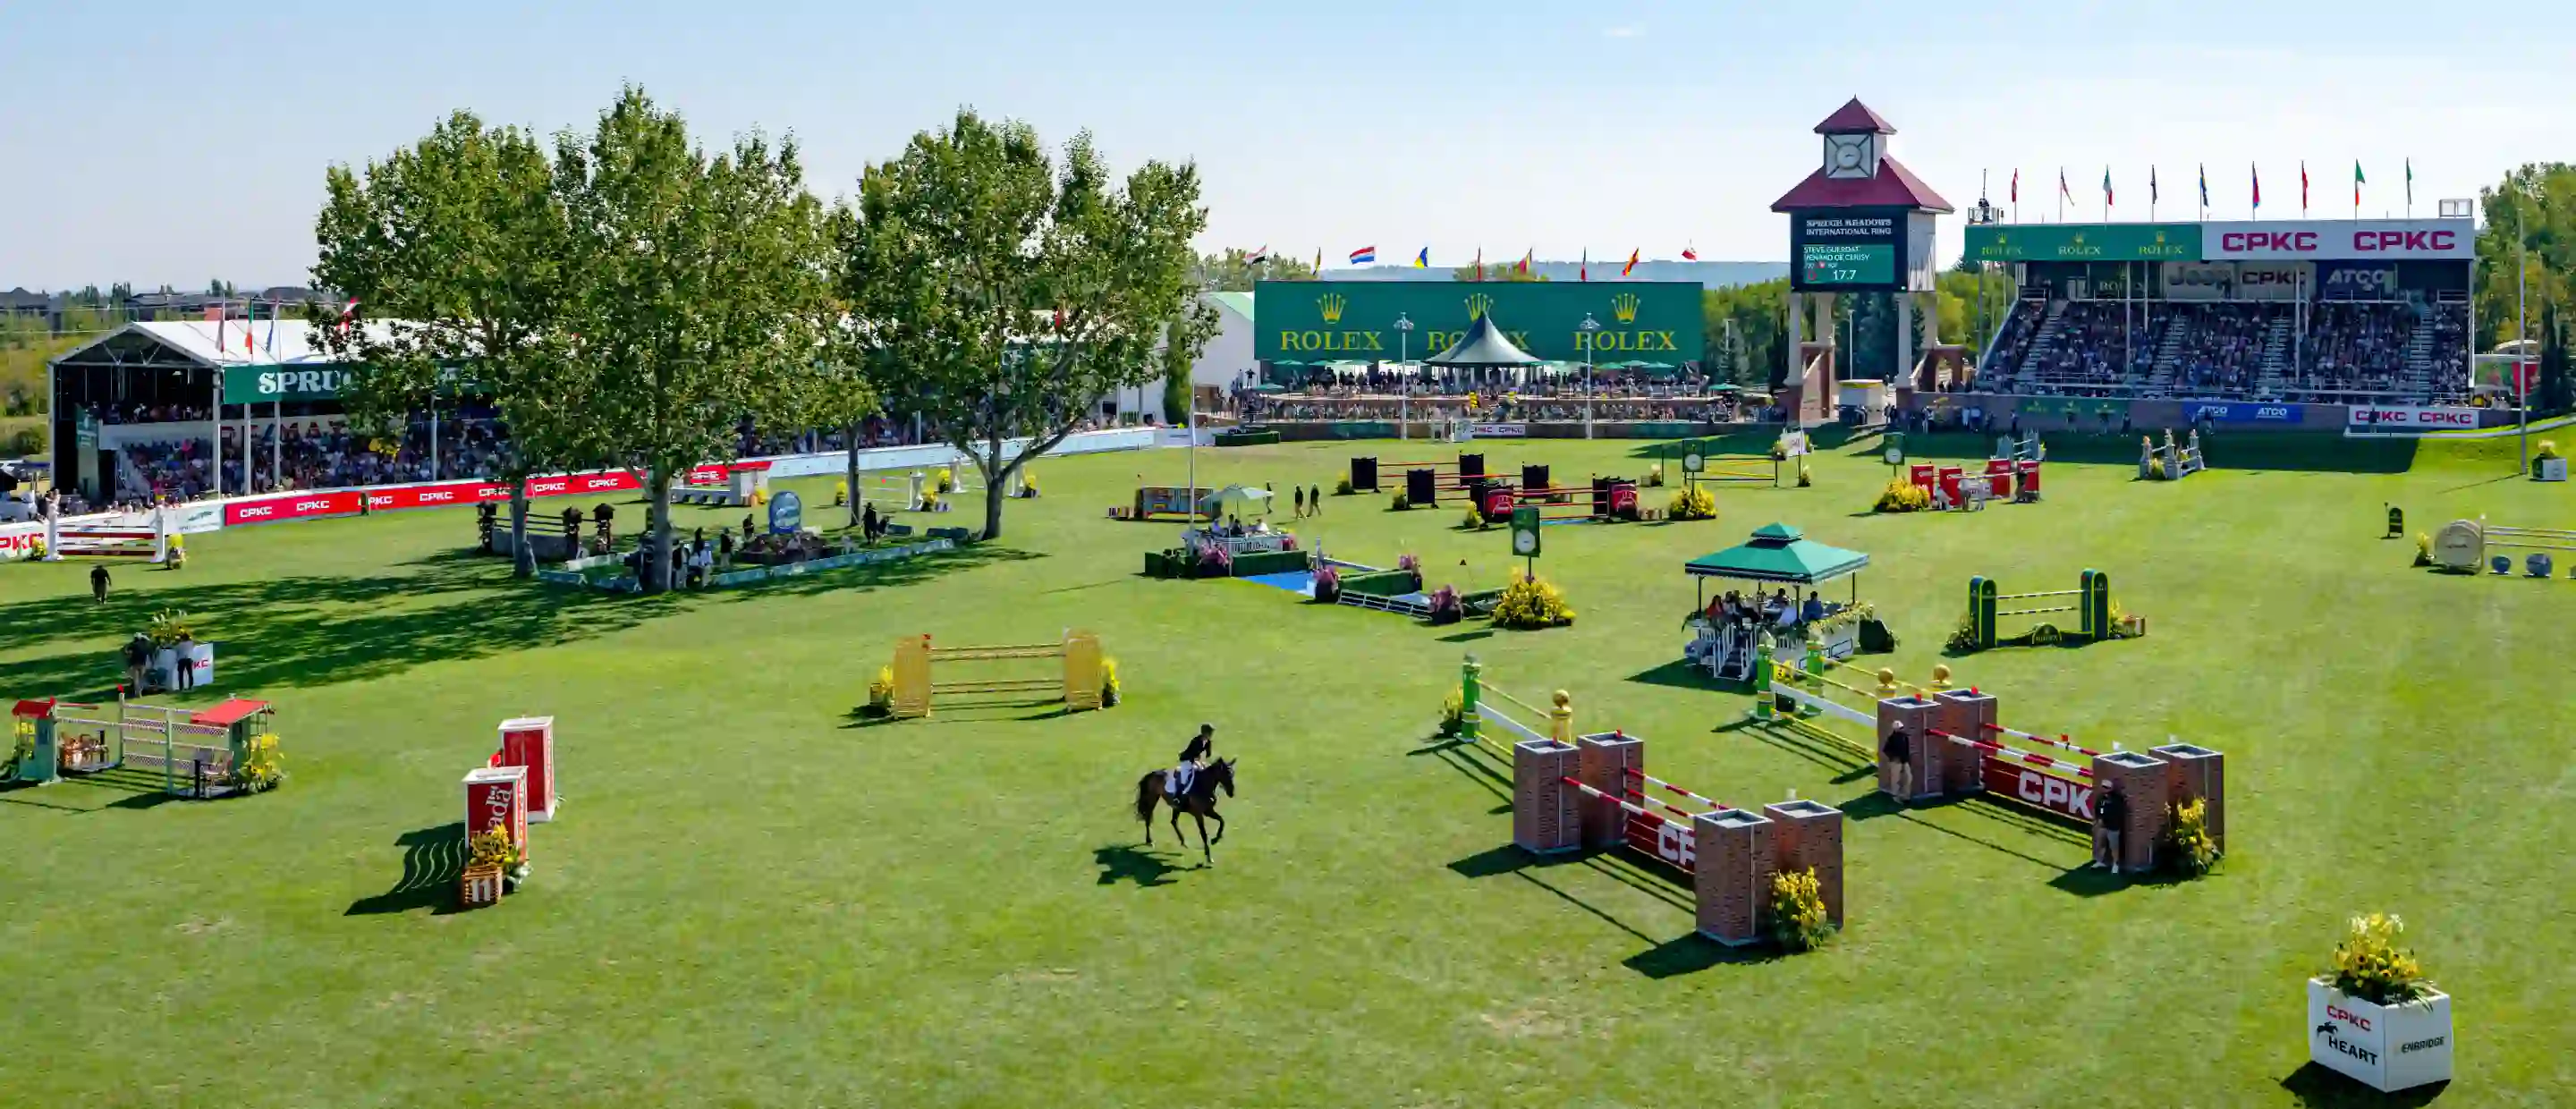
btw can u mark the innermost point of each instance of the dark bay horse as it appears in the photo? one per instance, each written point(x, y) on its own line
point(1199, 802)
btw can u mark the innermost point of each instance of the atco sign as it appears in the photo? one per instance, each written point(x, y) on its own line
point(2339, 240)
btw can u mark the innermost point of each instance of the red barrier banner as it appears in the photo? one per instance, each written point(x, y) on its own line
point(715, 473)
point(2063, 797)
point(439, 495)
point(292, 506)
point(606, 481)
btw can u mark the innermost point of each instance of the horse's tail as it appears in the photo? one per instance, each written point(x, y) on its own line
point(1146, 788)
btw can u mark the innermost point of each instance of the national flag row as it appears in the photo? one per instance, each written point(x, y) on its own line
point(2253, 178)
point(1367, 256)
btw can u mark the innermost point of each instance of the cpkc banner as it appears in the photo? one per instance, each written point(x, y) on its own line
point(1366, 321)
point(2363, 417)
point(2340, 240)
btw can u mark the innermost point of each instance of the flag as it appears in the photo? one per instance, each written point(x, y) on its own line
point(1631, 267)
point(2257, 171)
point(1480, 263)
point(2410, 181)
point(1526, 259)
point(1257, 255)
point(250, 319)
point(2064, 193)
point(1364, 256)
point(2015, 196)
point(2357, 182)
point(1422, 260)
point(1690, 253)
point(2303, 186)
point(2204, 184)
point(1319, 262)
point(1583, 272)
point(2106, 186)
point(272, 331)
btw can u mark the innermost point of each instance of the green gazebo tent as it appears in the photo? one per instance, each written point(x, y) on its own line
point(1780, 554)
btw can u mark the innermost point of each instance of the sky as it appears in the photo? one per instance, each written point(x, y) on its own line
point(191, 144)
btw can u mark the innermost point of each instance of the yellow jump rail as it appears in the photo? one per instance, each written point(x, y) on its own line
point(1078, 684)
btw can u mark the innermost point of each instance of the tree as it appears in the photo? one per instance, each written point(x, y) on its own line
point(1499, 271)
point(453, 248)
point(1235, 271)
point(2552, 393)
point(1745, 326)
point(1014, 293)
point(838, 389)
point(702, 294)
point(1176, 392)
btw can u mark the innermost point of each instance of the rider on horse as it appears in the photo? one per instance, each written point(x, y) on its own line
point(1202, 747)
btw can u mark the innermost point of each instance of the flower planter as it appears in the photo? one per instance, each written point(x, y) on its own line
point(2384, 1047)
point(2549, 469)
point(2133, 627)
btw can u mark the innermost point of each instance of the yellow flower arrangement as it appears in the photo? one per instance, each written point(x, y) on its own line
point(1799, 921)
point(2369, 965)
point(1694, 503)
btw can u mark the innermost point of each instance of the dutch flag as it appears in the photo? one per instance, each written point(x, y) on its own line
point(1363, 256)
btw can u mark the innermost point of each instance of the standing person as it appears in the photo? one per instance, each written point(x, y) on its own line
point(183, 662)
point(1299, 493)
point(138, 655)
point(2110, 815)
point(1315, 498)
point(724, 549)
point(98, 583)
point(1898, 753)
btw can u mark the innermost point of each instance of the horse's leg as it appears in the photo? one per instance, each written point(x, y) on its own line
point(1220, 823)
point(1176, 826)
point(1149, 822)
point(1204, 853)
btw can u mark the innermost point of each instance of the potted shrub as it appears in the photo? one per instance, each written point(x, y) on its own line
point(2374, 1018)
point(1694, 503)
point(1328, 584)
point(1799, 920)
point(1902, 496)
point(881, 693)
point(1108, 683)
point(1216, 562)
point(1530, 603)
point(1445, 606)
point(2546, 464)
point(1453, 712)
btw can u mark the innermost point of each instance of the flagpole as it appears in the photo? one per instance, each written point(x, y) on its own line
point(2522, 333)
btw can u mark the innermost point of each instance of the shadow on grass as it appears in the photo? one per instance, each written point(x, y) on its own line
point(433, 861)
point(1509, 860)
point(1678, 674)
point(1874, 804)
point(1463, 756)
point(2317, 1086)
point(1848, 763)
point(1468, 637)
point(1692, 954)
point(1129, 863)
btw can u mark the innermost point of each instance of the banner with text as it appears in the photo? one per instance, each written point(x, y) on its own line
point(2356, 281)
point(2242, 413)
point(2399, 418)
point(1859, 249)
point(2341, 240)
point(1329, 321)
point(2273, 280)
point(292, 506)
point(1500, 431)
point(2085, 242)
point(2200, 280)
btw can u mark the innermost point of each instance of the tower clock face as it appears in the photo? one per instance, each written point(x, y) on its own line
point(1524, 542)
point(1848, 156)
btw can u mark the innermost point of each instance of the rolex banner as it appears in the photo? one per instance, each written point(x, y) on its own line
point(2085, 242)
point(1334, 321)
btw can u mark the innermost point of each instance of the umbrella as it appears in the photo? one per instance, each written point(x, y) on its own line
point(1266, 387)
point(1237, 501)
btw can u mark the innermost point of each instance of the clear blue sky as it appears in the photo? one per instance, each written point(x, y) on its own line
point(176, 144)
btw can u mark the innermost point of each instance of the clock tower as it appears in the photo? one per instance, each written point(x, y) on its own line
point(1861, 223)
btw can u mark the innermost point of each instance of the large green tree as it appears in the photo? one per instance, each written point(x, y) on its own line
point(453, 249)
point(1013, 293)
point(1235, 271)
point(703, 293)
point(2526, 250)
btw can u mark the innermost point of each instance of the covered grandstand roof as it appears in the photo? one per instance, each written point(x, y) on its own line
point(168, 342)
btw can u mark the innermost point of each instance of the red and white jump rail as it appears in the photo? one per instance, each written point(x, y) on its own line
point(1713, 804)
point(1648, 832)
point(2060, 742)
point(1997, 750)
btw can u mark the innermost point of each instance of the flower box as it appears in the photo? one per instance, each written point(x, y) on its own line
point(2133, 626)
point(479, 887)
point(2384, 1047)
point(2549, 469)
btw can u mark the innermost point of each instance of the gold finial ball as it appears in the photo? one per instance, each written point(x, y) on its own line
point(1941, 676)
point(1564, 699)
point(1886, 676)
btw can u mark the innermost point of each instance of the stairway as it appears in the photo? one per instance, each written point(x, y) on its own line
point(2276, 358)
point(2418, 381)
point(2160, 378)
point(2043, 339)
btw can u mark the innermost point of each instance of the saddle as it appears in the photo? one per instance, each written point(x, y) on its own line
point(1176, 781)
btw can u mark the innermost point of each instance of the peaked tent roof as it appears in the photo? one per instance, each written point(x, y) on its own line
point(194, 341)
point(1484, 345)
point(1854, 118)
point(1894, 187)
point(1779, 553)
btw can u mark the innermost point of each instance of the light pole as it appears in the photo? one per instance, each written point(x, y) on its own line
point(2522, 347)
point(1588, 327)
point(1404, 402)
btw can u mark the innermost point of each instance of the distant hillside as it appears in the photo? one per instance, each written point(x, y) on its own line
point(1711, 275)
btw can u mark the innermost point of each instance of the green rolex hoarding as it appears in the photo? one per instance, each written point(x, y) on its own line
point(1331, 321)
point(2084, 242)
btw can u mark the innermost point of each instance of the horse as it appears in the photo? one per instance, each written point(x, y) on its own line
point(1199, 802)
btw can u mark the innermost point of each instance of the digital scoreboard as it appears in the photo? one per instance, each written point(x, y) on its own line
point(1849, 250)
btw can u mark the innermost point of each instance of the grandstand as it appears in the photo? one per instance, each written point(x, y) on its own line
point(2328, 312)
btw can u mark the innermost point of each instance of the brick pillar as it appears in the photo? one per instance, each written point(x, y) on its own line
point(1604, 761)
point(2198, 772)
point(1915, 716)
point(1732, 878)
point(1810, 834)
point(1545, 818)
point(2144, 778)
point(1966, 713)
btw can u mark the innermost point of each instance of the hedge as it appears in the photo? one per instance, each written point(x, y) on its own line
point(1246, 438)
point(1269, 562)
point(1384, 583)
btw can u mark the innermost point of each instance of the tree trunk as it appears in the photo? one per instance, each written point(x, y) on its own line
point(655, 573)
point(523, 562)
point(992, 469)
point(856, 495)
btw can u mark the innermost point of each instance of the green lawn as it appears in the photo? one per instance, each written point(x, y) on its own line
point(753, 899)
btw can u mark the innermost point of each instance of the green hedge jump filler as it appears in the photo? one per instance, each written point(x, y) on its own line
point(1592, 793)
point(2091, 603)
point(1078, 683)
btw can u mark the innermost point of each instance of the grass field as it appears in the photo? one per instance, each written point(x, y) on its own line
point(752, 898)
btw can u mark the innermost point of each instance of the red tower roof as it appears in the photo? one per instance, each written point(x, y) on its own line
point(1854, 118)
point(1894, 187)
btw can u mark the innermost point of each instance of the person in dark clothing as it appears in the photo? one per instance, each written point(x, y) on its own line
point(138, 656)
point(98, 582)
point(1898, 753)
point(183, 666)
point(724, 549)
point(1315, 499)
point(868, 520)
point(2110, 815)
point(1201, 748)
point(1298, 493)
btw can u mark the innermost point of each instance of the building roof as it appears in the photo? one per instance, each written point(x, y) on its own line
point(1894, 187)
point(1238, 303)
point(195, 340)
point(1854, 118)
